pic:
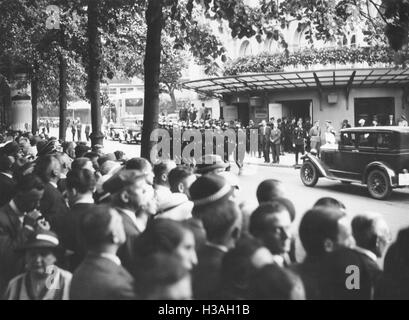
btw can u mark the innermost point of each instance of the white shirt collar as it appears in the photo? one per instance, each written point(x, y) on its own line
point(111, 257)
point(368, 253)
point(218, 246)
point(139, 222)
point(7, 174)
point(86, 198)
point(54, 184)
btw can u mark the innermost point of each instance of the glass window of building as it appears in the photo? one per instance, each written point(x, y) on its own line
point(122, 90)
point(112, 90)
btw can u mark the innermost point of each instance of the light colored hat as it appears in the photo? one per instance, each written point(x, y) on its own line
point(361, 121)
point(176, 207)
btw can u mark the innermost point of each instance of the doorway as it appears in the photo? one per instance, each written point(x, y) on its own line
point(243, 113)
point(370, 108)
point(297, 109)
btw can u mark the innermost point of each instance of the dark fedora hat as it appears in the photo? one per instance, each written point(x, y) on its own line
point(209, 189)
point(209, 163)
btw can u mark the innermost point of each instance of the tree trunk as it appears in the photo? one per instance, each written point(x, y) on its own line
point(154, 18)
point(173, 98)
point(34, 98)
point(63, 97)
point(94, 72)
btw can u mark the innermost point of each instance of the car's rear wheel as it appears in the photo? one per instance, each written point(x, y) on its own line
point(309, 174)
point(378, 184)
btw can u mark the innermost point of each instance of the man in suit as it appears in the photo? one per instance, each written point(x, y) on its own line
point(275, 140)
point(391, 120)
point(222, 222)
point(18, 220)
point(322, 230)
point(80, 187)
point(372, 236)
point(52, 204)
point(134, 198)
point(100, 276)
point(264, 140)
point(7, 183)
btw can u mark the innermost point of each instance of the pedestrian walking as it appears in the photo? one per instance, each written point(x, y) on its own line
point(87, 131)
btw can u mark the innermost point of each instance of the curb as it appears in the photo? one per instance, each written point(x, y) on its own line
point(270, 165)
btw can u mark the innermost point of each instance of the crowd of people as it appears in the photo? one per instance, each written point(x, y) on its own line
point(79, 223)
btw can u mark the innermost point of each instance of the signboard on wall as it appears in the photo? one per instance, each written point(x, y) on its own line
point(261, 113)
point(230, 113)
point(275, 110)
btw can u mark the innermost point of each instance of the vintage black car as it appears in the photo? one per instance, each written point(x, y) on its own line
point(375, 156)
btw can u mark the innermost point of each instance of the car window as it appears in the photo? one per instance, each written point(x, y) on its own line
point(367, 139)
point(348, 139)
point(385, 140)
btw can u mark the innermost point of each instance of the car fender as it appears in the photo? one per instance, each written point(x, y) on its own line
point(393, 179)
point(316, 162)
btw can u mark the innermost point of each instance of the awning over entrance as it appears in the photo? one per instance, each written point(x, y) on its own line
point(319, 79)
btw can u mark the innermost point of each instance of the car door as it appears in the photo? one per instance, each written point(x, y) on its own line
point(344, 163)
point(367, 153)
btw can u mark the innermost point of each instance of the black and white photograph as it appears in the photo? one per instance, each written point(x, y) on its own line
point(212, 153)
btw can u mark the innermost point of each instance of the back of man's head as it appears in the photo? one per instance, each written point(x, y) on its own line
point(48, 168)
point(80, 163)
point(137, 164)
point(29, 182)
point(316, 227)
point(222, 221)
point(162, 276)
point(177, 176)
point(329, 202)
point(269, 189)
point(95, 226)
point(370, 232)
point(274, 283)
point(80, 150)
point(161, 171)
point(81, 180)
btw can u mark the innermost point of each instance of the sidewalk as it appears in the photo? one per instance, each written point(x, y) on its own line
point(286, 161)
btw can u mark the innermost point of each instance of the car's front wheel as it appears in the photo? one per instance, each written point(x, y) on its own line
point(309, 174)
point(378, 184)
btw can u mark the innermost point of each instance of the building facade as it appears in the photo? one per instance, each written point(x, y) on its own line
point(345, 79)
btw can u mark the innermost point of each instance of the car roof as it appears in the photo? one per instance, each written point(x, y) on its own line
point(377, 129)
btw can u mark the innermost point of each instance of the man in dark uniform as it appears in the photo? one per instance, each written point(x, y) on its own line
point(298, 140)
point(307, 127)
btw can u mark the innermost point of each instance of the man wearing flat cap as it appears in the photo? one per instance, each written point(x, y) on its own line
point(133, 197)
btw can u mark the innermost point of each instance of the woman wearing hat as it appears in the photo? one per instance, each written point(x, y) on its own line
point(43, 280)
